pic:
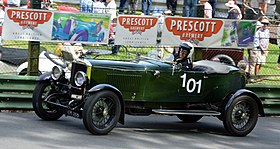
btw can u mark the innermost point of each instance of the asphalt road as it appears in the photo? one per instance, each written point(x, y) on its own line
point(27, 131)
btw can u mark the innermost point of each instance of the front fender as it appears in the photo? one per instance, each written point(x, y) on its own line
point(101, 87)
point(45, 76)
point(248, 93)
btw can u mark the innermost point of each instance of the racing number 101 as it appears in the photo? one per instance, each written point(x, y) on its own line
point(191, 84)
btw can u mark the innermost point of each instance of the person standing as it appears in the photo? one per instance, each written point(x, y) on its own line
point(171, 5)
point(112, 9)
point(234, 12)
point(190, 8)
point(121, 6)
point(207, 9)
point(253, 53)
point(263, 36)
point(98, 7)
point(263, 5)
point(213, 4)
point(146, 7)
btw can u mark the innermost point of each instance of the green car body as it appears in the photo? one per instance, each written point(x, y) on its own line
point(107, 90)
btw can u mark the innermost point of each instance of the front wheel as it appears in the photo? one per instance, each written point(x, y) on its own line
point(242, 116)
point(101, 112)
point(189, 118)
point(42, 109)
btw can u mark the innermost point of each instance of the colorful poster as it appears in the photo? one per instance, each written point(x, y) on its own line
point(136, 30)
point(27, 25)
point(81, 27)
point(55, 26)
point(218, 33)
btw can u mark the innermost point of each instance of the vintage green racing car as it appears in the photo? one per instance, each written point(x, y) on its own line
point(101, 92)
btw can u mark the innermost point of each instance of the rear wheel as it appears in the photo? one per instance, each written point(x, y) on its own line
point(241, 117)
point(189, 118)
point(101, 112)
point(42, 109)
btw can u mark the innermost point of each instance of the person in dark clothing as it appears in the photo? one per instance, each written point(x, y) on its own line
point(213, 3)
point(184, 55)
point(121, 6)
point(171, 5)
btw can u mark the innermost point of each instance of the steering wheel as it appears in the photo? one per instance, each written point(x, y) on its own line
point(55, 59)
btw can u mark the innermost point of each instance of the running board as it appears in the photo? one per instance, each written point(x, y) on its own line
point(186, 112)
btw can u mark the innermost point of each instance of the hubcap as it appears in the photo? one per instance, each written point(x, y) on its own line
point(240, 115)
point(102, 112)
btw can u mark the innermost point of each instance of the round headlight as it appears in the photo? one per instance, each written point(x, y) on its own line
point(80, 78)
point(57, 72)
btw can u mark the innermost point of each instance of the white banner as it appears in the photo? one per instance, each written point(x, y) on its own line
point(218, 33)
point(56, 26)
point(27, 24)
point(136, 30)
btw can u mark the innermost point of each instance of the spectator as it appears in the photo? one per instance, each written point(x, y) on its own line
point(98, 7)
point(263, 6)
point(131, 7)
point(112, 9)
point(207, 9)
point(253, 53)
point(13, 3)
point(146, 6)
point(263, 45)
point(121, 6)
point(171, 5)
point(190, 8)
point(213, 4)
point(86, 6)
point(234, 12)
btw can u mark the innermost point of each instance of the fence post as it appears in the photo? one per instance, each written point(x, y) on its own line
point(33, 47)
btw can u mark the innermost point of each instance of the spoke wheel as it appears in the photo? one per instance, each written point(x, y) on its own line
point(101, 112)
point(42, 109)
point(241, 117)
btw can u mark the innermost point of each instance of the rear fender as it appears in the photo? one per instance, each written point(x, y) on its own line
point(101, 87)
point(248, 93)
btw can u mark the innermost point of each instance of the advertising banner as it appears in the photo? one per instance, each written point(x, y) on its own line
point(136, 30)
point(218, 33)
point(27, 24)
point(55, 26)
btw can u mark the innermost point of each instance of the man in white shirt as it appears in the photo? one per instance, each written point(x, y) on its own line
point(13, 3)
point(98, 7)
point(111, 8)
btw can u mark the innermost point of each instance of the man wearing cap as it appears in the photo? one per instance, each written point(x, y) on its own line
point(253, 53)
point(262, 50)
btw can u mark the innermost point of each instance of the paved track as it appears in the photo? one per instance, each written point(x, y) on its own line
point(26, 131)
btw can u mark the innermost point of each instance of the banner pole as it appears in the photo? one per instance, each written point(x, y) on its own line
point(33, 48)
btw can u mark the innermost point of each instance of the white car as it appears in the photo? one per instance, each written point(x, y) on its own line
point(47, 61)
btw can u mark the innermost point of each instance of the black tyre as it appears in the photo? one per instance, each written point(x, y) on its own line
point(42, 109)
point(189, 118)
point(242, 116)
point(101, 112)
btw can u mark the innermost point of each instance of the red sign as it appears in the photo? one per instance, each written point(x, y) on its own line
point(134, 23)
point(193, 28)
point(29, 17)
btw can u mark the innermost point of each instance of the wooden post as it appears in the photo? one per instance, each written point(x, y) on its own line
point(33, 48)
